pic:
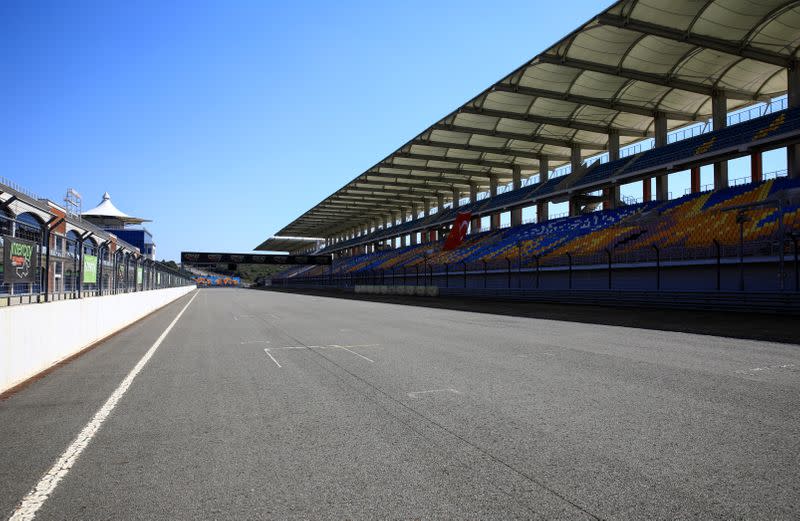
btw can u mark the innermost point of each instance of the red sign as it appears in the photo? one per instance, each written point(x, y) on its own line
point(458, 232)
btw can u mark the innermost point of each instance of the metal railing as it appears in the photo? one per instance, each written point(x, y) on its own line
point(68, 267)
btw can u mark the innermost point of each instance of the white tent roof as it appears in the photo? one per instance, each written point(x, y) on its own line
point(107, 209)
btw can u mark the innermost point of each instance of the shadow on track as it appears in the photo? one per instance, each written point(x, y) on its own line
point(750, 326)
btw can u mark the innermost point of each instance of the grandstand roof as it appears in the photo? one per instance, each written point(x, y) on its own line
point(288, 243)
point(616, 72)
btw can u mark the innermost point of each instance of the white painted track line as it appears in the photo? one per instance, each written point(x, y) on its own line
point(32, 502)
point(273, 358)
point(357, 354)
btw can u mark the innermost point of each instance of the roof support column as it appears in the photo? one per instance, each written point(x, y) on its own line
point(544, 168)
point(575, 157)
point(662, 187)
point(475, 223)
point(574, 206)
point(793, 151)
point(756, 167)
point(662, 180)
point(439, 203)
point(613, 145)
point(660, 124)
point(611, 197)
point(647, 189)
point(426, 207)
point(542, 211)
point(694, 175)
point(414, 211)
point(494, 219)
point(456, 197)
point(719, 117)
point(516, 213)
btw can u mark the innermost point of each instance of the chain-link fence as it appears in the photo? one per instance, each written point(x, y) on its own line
point(39, 266)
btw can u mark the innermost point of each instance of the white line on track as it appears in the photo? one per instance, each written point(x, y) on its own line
point(414, 394)
point(273, 358)
point(330, 346)
point(254, 342)
point(31, 503)
point(357, 354)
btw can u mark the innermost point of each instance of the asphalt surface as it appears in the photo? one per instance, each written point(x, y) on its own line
point(373, 410)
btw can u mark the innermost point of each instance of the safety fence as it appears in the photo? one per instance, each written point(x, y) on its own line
point(39, 266)
point(749, 266)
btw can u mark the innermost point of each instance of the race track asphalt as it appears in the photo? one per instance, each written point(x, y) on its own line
point(267, 405)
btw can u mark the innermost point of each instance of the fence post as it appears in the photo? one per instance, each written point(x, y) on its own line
point(416, 280)
point(508, 269)
point(47, 236)
point(465, 272)
point(569, 257)
point(446, 275)
point(608, 253)
point(485, 274)
point(537, 270)
point(796, 266)
point(719, 264)
point(658, 266)
point(80, 266)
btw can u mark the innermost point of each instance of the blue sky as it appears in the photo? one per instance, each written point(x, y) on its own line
point(223, 121)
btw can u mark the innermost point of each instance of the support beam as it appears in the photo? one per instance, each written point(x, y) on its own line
point(447, 159)
point(613, 145)
point(662, 187)
point(456, 197)
point(575, 157)
point(719, 117)
point(793, 94)
point(380, 168)
point(647, 189)
point(633, 74)
point(475, 223)
point(756, 168)
point(494, 221)
point(544, 169)
point(542, 211)
point(694, 175)
point(592, 102)
point(514, 136)
point(516, 213)
point(502, 150)
point(660, 127)
point(557, 122)
point(574, 207)
point(611, 197)
point(742, 49)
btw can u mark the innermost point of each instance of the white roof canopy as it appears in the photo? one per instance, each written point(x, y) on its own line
point(107, 209)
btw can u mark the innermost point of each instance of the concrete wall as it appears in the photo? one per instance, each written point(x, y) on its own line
point(37, 336)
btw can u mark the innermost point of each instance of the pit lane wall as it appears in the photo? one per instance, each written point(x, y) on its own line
point(35, 337)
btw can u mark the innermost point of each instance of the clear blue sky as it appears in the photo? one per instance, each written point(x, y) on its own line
point(223, 121)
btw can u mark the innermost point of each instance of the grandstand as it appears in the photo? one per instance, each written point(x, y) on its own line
point(628, 99)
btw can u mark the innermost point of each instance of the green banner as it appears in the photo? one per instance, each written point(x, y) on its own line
point(20, 261)
point(89, 269)
point(139, 275)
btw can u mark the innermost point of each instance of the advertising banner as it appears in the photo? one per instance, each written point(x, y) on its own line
point(89, 269)
point(139, 273)
point(198, 257)
point(20, 261)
